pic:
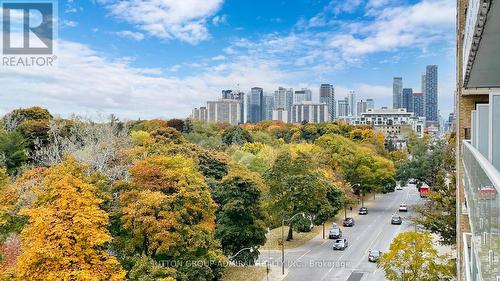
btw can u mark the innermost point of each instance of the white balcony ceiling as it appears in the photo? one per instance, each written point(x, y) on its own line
point(485, 72)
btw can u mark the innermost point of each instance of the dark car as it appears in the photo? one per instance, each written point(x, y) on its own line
point(363, 211)
point(348, 222)
point(340, 244)
point(396, 220)
point(335, 233)
point(373, 256)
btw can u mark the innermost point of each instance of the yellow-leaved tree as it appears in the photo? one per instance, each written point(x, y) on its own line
point(66, 235)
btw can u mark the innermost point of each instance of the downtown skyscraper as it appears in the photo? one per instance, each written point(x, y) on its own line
point(327, 95)
point(351, 100)
point(370, 104)
point(283, 100)
point(255, 105)
point(267, 107)
point(302, 95)
point(239, 96)
point(407, 99)
point(397, 92)
point(418, 104)
point(431, 93)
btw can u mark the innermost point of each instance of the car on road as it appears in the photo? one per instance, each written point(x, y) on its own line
point(340, 244)
point(374, 255)
point(399, 187)
point(348, 222)
point(363, 211)
point(334, 233)
point(403, 207)
point(424, 190)
point(396, 219)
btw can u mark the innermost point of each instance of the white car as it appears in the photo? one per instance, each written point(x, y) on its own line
point(403, 208)
point(399, 187)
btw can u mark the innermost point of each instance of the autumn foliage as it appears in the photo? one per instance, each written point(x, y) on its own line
point(66, 235)
point(83, 200)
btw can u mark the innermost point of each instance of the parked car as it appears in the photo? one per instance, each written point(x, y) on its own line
point(348, 222)
point(340, 244)
point(399, 187)
point(396, 219)
point(335, 233)
point(374, 255)
point(403, 208)
point(363, 211)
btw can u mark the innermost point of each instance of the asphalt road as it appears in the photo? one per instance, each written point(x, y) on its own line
point(316, 260)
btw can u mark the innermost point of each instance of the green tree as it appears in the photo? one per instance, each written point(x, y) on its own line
point(212, 165)
point(438, 214)
point(236, 135)
point(240, 218)
point(13, 150)
point(296, 186)
point(411, 257)
point(147, 269)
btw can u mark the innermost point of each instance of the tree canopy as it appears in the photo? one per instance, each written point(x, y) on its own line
point(412, 257)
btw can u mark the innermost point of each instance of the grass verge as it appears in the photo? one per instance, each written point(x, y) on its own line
point(249, 273)
point(300, 238)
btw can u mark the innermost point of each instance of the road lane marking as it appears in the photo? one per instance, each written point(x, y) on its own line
point(387, 203)
point(304, 255)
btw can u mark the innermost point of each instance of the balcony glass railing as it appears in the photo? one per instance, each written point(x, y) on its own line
point(470, 29)
point(482, 186)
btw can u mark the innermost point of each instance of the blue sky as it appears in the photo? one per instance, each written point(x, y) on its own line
point(161, 58)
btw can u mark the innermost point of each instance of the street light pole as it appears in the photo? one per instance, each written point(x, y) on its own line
point(239, 252)
point(283, 247)
point(267, 270)
point(362, 199)
point(283, 240)
point(345, 205)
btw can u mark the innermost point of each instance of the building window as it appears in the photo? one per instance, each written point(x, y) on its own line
point(467, 133)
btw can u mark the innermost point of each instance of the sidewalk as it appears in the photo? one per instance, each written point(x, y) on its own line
point(338, 219)
point(275, 274)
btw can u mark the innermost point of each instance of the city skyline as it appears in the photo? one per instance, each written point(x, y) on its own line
point(258, 105)
point(124, 66)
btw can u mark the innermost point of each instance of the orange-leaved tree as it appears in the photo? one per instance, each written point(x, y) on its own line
point(169, 211)
point(66, 236)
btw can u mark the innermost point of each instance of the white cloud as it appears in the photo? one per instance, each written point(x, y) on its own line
point(184, 20)
point(415, 26)
point(219, 58)
point(378, 3)
point(218, 20)
point(69, 23)
point(86, 82)
point(137, 36)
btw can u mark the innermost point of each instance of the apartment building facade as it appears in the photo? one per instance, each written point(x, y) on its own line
point(478, 140)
